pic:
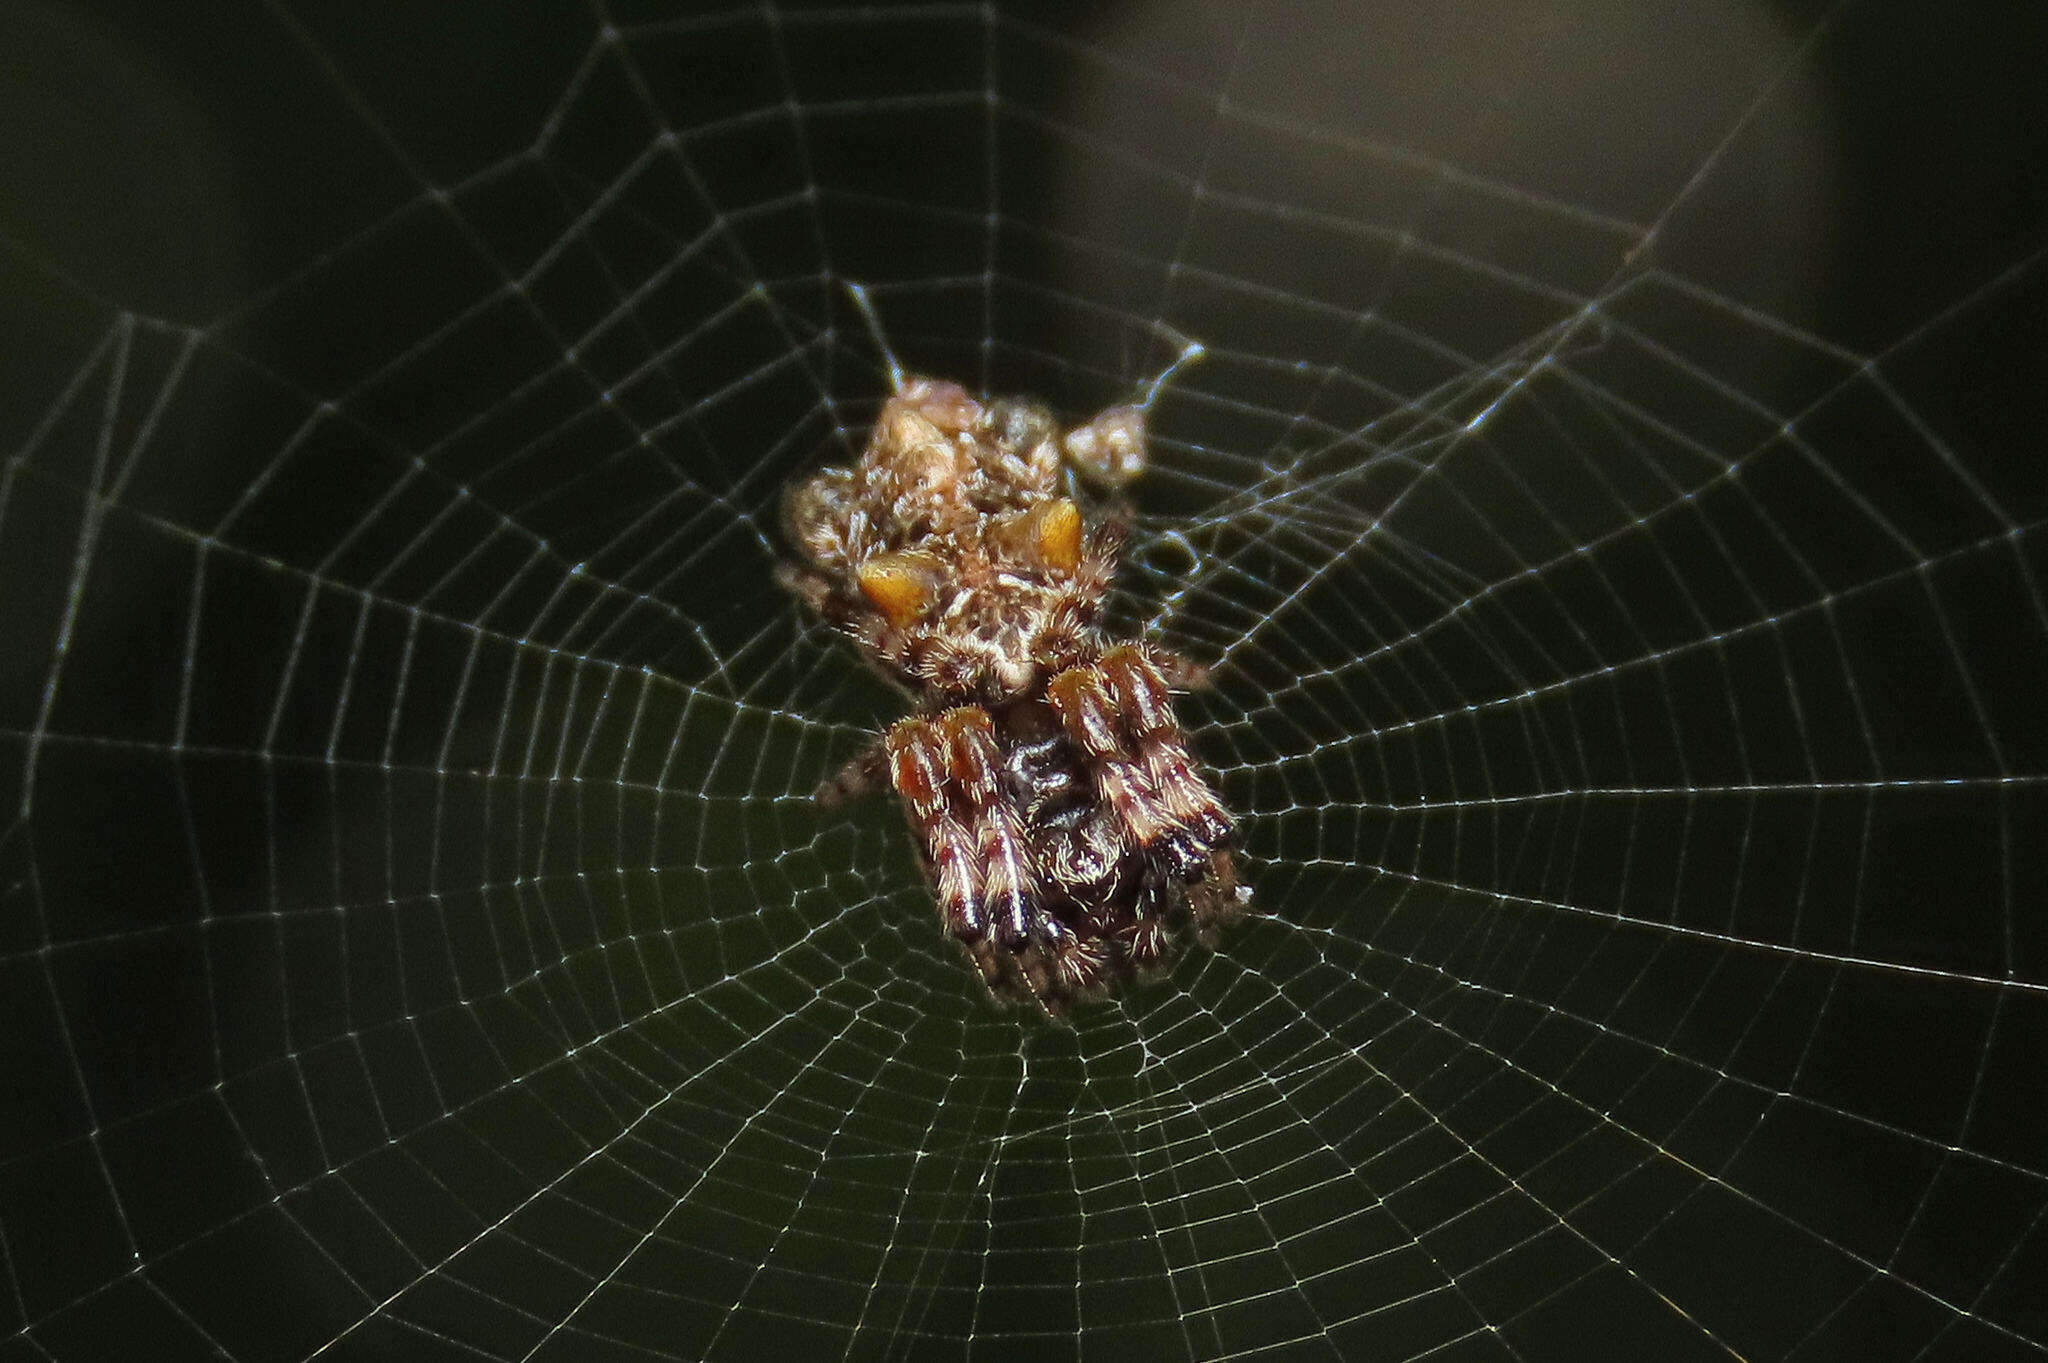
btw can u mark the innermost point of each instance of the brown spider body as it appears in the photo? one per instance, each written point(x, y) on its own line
point(1071, 837)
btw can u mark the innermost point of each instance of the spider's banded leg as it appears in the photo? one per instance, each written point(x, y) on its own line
point(1080, 964)
point(1139, 694)
point(1008, 881)
point(1072, 623)
point(1081, 697)
point(918, 766)
point(1120, 714)
point(1107, 540)
point(1144, 932)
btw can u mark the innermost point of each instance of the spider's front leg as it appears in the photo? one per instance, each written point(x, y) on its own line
point(1119, 713)
point(1056, 963)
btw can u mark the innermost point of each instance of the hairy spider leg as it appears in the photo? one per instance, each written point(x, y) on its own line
point(1119, 713)
point(1138, 693)
point(1082, 698)
point(998, 834)
point(1218, 898)
point(919, 758)
point(1138, 689)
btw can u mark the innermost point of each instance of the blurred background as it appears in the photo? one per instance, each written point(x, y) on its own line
point(1611, 507)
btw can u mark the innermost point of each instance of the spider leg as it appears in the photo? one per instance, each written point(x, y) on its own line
point(919, 759)
point(1104, 546)
point(1145, 929)
point(1068, 636)
point(1082, 966)
point(1140, 694)
point(1005, 860)
point(1113, 531)
point(1097, 574)
point(947, 772)
point(1120, 714)
point(1081, 697)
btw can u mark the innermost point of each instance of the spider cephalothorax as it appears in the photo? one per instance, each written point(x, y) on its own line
point(1071, 837)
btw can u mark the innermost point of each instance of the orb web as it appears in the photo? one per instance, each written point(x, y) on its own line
point(1626, 643)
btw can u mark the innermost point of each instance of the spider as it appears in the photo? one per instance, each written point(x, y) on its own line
point(1071, 838)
